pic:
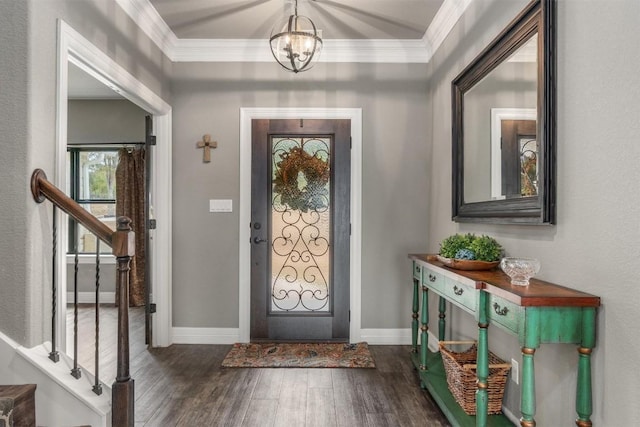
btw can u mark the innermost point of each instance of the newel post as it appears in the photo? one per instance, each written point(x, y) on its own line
point(122, 389)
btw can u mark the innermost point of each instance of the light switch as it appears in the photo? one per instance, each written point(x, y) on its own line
point(221, 205)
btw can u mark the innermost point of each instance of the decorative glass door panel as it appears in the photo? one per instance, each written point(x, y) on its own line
point(300, 224)
point(529, 166)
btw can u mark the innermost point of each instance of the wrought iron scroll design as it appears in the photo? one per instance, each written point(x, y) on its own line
point(301, 167)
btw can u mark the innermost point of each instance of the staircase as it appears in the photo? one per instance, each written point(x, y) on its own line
point(122, 243)
point(17, 405)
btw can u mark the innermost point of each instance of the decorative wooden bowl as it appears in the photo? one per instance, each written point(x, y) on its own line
point(467, 264)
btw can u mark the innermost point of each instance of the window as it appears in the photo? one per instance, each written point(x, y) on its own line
point(92, 183)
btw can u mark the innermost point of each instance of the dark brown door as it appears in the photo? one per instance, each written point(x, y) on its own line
point(519, 158)
point(300, 231)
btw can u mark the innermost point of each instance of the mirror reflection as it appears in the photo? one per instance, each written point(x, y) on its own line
point(500, 130)
point(504, 125)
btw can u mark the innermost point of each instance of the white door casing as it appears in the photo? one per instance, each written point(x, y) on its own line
point(75, 48)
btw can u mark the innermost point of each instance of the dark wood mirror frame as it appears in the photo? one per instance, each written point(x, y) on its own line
point(538, 17)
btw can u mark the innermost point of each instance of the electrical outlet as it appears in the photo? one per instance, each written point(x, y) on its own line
point(515, 371)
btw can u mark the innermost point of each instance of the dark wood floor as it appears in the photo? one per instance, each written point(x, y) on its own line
point(184, 385)
point(108, 337)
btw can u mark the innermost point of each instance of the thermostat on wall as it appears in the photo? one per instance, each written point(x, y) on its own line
point(221, 205)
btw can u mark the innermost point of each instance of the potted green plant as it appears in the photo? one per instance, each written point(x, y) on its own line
point(470, 252)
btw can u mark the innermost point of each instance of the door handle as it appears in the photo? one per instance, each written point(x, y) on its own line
point(257, 240)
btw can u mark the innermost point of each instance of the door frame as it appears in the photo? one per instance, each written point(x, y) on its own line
point(355, 247)
point(75, 48)
point(497, 116)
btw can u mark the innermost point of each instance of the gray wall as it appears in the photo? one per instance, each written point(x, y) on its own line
point(16, 301)
point(98, 121)
point(594, 247)
point(28, 35)
point(208, 98)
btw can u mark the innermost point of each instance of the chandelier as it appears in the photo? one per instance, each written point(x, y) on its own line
point(296, 45)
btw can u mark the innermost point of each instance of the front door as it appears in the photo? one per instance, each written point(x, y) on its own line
point(300, 230)
point(519, 158)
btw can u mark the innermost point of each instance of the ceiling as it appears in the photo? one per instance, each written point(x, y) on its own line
point(236, 30)
point(338, 19)
point(83, 86)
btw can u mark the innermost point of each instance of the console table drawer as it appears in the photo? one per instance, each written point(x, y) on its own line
point(505, 313)
point(417, 270)
point(433, 280)
point(461, 295)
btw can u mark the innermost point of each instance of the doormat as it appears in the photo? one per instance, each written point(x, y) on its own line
point(299, 355)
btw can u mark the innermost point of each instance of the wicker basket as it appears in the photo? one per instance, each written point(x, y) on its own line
point(461, 376)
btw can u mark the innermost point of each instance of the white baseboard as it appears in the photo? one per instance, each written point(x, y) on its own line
point(395, 337)
point(232, 335)
point(90, 297)
point(205, 335)
point(386, 336)
point(507, 413)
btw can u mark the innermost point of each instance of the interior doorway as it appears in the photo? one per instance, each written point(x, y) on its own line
point(109, 154)
point(74, 49)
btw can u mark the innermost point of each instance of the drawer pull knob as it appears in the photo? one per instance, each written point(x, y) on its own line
point(432, 278)
point(458, 291)
point(500, 311)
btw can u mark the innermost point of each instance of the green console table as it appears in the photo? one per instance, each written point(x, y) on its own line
point(539, 313)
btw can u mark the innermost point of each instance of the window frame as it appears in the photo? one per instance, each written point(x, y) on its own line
point(74, 152)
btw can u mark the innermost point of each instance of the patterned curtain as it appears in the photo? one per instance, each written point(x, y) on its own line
point(130, 196)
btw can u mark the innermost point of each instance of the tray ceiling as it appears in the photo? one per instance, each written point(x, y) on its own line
point(339, 19)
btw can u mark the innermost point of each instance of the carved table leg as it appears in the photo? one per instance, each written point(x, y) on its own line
point(442, 315)
point(528, 398)
point(414, 316)
point(424, 338)
point(584, 404)
point(482, 371)
point(528, 390)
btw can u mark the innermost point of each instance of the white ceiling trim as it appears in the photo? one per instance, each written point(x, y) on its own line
point(335, 50)
point(151, 23)
point(442, 24)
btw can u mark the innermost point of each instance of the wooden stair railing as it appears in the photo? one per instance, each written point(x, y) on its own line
point(122, 243)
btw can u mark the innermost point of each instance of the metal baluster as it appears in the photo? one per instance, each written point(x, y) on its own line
point(75, 372)
point(97, 387)
point(53, 355)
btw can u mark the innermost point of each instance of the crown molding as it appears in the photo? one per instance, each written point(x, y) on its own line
point(334, 50)
point(147, 18)
point(442, 24)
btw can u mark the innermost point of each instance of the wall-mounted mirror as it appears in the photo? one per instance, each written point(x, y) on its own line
point(504, 125)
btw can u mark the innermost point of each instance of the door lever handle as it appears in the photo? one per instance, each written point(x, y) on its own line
point(257, 240)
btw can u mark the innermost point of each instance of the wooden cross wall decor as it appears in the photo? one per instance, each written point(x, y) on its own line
point(207, 144)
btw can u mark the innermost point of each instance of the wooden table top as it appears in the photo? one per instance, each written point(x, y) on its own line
point(538, 293)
